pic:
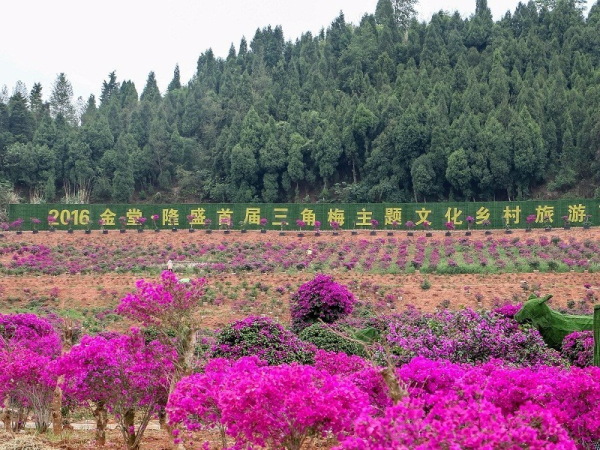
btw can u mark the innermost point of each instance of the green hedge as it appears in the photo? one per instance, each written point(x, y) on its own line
point(350, 216)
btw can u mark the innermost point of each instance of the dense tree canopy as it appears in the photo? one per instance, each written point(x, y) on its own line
point(387, 110)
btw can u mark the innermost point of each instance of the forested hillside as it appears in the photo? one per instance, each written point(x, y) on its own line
point(387, 110)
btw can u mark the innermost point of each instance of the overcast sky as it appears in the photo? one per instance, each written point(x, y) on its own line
point(88, 39)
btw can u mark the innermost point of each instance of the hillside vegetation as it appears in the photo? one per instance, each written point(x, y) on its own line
point(388, 110)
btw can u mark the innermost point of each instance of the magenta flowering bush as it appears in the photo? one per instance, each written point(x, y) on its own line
point(17, 224)
point(28, 345)
point(190, 218)
point(225, 223)
point(31, 332)
point(122, 374)
point(570, 397)
point(263, 338)
point(282, 406)
point(449, 226)
point(374, 223)
point(300, 223)
point(27, 385)
point(195, 402)
point(409, 224)
point(317, 225)
point(363, 374)
point(578, 348)
point(509, 311)
point(163, 304)
point(454, 424)
point(467, 336)
point(267, 406)
point(172, 309)
point(320, 299)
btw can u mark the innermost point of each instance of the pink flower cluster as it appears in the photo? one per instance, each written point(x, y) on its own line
point(570, 397)
point(28, 345)
point(267, 406)
point(321, 298)
point(156, 304)
point(578, 348)
point(467, 336)
point(121, 371)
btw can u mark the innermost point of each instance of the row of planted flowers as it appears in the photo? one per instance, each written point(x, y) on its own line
point(394, 255)
point(416, 381)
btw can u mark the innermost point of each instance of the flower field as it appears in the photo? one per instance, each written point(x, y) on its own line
point(347, 342)
point(393, 255)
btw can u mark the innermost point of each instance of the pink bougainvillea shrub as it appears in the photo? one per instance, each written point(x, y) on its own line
point(362, 373)
point(195, 402)
point(281, 406)
point(267, 406)
point(122, 373)
point(454, 424)
point(320, 299)
point(578, 348)
point(172, 310)
point(569, 396)
point(28, 345)
point(467, 336)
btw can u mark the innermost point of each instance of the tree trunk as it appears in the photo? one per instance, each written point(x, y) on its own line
point(129, 421)
point(162, 418)
point(354, 170)
point(189, 346)
point(6, 419)
point(57, 418)
point(184, 368)
point(223, 434)
point(56, 407)
point(101, 415)
point(396, 392)
point(597, 335)
point(21, 418)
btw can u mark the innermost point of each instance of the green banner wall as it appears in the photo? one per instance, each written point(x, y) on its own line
point(350, 216)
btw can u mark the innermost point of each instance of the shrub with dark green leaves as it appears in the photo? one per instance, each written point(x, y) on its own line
point(325, 339)
point(262, 337)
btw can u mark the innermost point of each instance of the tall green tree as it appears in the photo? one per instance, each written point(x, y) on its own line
point(20, 120)
point(176, 81)
point(123, 184)
point(110, 89)
point(151, 93)
point(61, 99)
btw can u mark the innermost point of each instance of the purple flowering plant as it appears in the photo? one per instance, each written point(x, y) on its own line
point(320, 299)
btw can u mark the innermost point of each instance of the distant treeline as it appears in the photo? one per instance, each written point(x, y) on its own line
point(390, 110)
